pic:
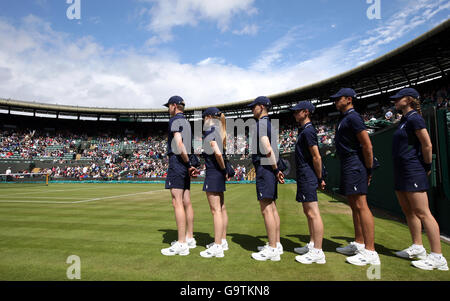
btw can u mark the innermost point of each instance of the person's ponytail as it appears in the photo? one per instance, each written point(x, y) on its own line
point(415, 104)
point(224, 131)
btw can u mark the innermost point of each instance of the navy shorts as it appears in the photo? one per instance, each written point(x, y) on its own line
point(214, 181)
point(306, 185)
point(353, 176)
point(410, 179)
point(177, 175)
point(266, 183)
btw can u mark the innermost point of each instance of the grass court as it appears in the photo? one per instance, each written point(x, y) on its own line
point(118, 230)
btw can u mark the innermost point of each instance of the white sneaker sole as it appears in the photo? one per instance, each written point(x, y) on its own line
point(211, 256)
point(173, 254)
point(277, 258)
point(359, 263)
point(427, 268)
point(320, 261)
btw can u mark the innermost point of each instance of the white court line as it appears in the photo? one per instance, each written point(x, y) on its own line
point(116, 196)
point(83, 201)
point(49, 191)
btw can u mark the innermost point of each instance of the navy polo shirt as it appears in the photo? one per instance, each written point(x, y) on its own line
point(210, 159)
point(307, 137)
point(350, 124)
point(406, 146)
point(263, 127)
point(176, 125)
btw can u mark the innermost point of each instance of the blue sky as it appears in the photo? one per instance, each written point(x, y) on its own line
point(138, 53)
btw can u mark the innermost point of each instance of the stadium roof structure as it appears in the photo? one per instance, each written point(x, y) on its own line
point(423, 59)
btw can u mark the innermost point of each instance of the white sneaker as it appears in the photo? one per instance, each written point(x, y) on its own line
point(213, 251)
point(176, 249)
point(312, 256)
point(413, 251)
point(267, 253)
point(191, 242)
point(279, 247)
point(305, 249)
point(351, 248)
point(431, 262)
point(224, 245)
point(364, 257)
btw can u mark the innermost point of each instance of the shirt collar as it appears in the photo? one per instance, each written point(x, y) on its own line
point(305, 126)
point(407, 115)
point(348, 111)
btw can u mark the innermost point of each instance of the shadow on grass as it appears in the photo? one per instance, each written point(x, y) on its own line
point(171, 235)
point(247, 242)
point(379, 248)
point(327, 245)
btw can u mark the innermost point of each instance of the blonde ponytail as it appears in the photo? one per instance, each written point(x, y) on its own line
point(415, 104)
point(224, 131)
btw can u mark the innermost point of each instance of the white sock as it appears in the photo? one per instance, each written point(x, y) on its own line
point(359, 245)
point(224, 241)
point(371, 252)
point(317, 251)
point(436, 255)
point(417, 246)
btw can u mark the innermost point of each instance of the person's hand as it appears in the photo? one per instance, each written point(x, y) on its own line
point(369, 179)
point(280, 177)
point(322, 185)
point(227, 177)
point(193, 172)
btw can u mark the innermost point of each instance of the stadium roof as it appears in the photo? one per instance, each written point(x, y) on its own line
point(423, 59)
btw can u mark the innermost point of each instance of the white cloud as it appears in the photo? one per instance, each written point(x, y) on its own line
point(166, 14)
point(414, 13)
point(274, 53)
point(39, 64)
point(247, 30)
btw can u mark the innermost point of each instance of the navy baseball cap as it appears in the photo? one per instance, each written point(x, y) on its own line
point(406, 92)
point(304, 105)
point(347, 92)
point(175, 99)
point(261, 100)
point(211, 112)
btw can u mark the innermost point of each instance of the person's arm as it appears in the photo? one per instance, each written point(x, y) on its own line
point(218, 154)
point(272, 159)
point(317, 163)
point(180, 147)
point(364, 140)
point(427, 148)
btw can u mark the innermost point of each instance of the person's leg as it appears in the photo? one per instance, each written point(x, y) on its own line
point(180, 215)
point(419, 205)
point(224, 215)
point(277, 221)
point(310, 223)
point(414, 223)
point(311, 210)
point(189, 211)
point(269, 221)
point(359, 237)
point(366, 220)
point(216, 210)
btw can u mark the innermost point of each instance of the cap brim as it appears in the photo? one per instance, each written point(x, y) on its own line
point(166, 105)
point(335, 96)
point(251, 105)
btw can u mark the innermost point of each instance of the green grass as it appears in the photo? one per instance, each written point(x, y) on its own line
point(119, 230)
